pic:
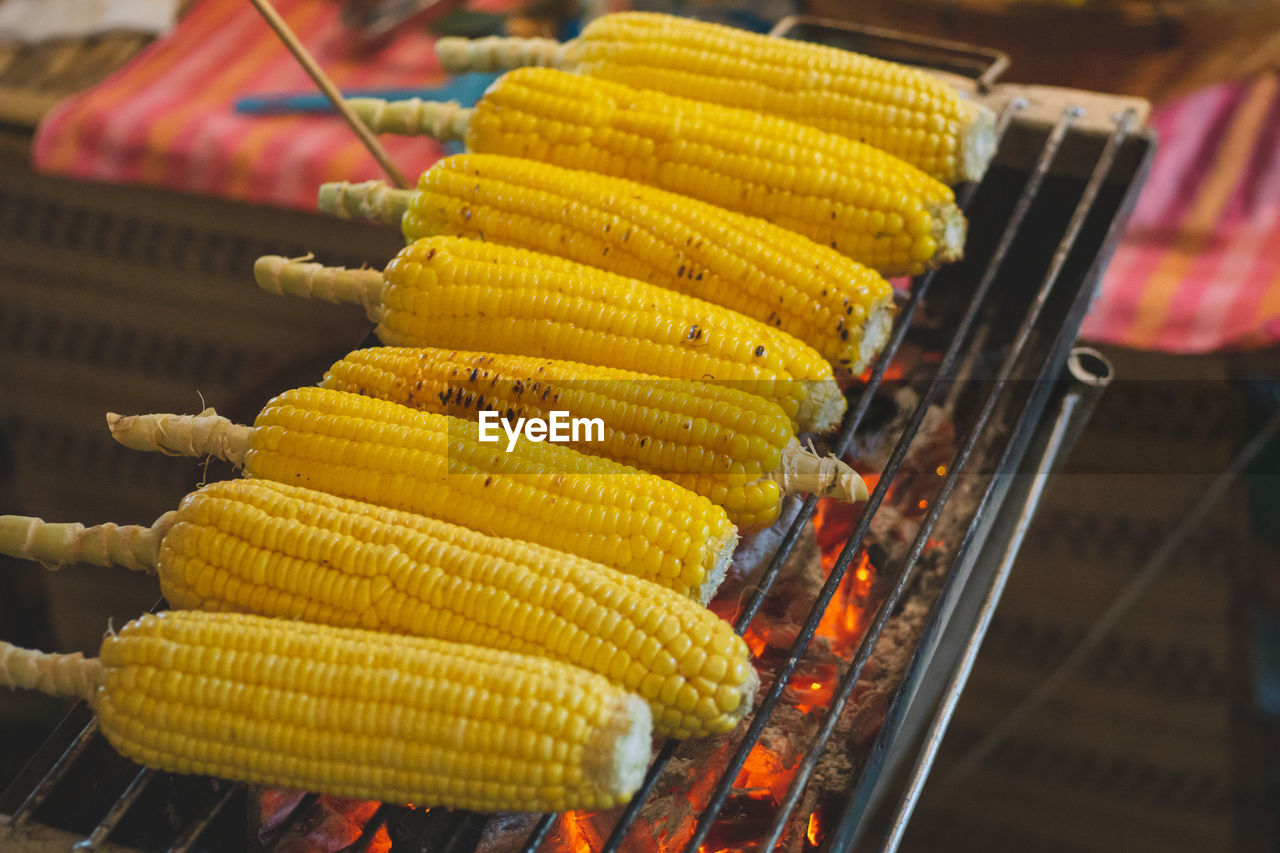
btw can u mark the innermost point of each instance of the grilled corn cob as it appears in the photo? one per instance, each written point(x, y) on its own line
point(388, 454)
point(830, 302)
point(735, 448)
point(353, 713)
point(254, 546)
point(452, 292)
point(901, 110)
point(857, 199)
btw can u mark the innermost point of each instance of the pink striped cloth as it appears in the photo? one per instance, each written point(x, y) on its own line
point(1199, 267)
point(167, 118)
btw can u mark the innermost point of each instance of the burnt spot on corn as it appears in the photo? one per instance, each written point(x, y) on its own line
point(759, 350)
point(680, 272)
point(445, 396)
point(475, 371)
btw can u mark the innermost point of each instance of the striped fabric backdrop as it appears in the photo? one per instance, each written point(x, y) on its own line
point(167, 118)
point(1199, 268)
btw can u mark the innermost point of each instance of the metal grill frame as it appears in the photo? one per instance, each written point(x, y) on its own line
point(985, 66)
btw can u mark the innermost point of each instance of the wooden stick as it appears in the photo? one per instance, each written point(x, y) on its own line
point(331, 92)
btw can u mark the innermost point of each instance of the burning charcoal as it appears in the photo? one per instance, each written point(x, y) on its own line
point(269, 808)
point(331, 824)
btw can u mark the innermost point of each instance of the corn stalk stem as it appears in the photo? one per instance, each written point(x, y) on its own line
point(365, 200)
point(361, 287)
point(55, 545)
point(442, 120)
point(205, 434)
point(498, 53)
point(53, 674)
point(805, 472)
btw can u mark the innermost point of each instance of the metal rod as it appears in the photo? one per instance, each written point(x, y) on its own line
point(193, 831)
point(117, 811)
point(1119, 606)
point(309, 64)
point(45, 786)
point(904, 581)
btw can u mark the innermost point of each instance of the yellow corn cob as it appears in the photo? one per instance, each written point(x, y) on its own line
point(898, 109)
point(254, 546)
point(452, 292)
point(854, 198)
point(353, 713)
point(384, 453)
point(735, 448)
point(829, 301)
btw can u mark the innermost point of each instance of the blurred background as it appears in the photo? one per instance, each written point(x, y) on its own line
point(130, 215)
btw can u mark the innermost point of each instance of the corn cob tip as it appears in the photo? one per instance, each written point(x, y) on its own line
point(978, 143)
point(723, 548)
point(620, 754)
point(822, 408)
point(949, 229)
point(875, 336)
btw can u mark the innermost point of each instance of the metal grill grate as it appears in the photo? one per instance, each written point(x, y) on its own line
point(1049, 212)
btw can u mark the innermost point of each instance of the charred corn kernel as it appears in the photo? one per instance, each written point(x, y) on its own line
point(384, 453)
point(893, 107)
point(824, 186)
point(735, 448)
point(454, 292)
point(285, 551)
point(361, 714)
point(832, 303)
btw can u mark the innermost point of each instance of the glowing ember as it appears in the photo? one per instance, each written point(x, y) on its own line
point(812, 833)
point(942, 470)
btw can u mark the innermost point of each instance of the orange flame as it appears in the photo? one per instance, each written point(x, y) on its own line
point(812, 833)
point(575, 835)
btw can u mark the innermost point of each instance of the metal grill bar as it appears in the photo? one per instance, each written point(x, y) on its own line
point(907, 576)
